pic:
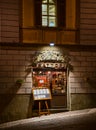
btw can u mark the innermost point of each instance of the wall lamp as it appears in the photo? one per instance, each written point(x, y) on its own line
point(51, 44)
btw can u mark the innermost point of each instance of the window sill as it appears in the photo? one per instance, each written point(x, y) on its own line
point(50, 28)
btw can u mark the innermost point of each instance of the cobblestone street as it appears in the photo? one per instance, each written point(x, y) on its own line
point(73, 120)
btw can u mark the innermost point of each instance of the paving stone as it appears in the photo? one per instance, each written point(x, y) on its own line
point(73, 120)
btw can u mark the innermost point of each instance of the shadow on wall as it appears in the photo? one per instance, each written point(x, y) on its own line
point(19, 107)
point(15, 106)
point(91, 82)
point(8, 96)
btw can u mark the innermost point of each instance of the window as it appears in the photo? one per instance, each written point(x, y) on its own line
point(50, 13)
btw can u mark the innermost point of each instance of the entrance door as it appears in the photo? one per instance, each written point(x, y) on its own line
point(56, 80)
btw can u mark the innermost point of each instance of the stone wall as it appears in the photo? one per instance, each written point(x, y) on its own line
point(9, 21)
point(82, 81)
point(88, 22)
point(15, 107)
point(17, 100)
point(14, 99)
point(14, 65)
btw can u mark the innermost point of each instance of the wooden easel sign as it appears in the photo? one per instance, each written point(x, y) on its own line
point(39, 94)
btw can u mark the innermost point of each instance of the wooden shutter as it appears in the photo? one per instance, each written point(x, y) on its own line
point(61, 13)
point(38, 13)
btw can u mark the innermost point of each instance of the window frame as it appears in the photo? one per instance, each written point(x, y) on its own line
point(48, 15)
point(61, 19)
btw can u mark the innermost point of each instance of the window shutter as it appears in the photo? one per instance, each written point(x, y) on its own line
point(61, 13)
point(37, 6)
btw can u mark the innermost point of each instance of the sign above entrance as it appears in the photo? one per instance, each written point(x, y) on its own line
point(51, 65)
point(50, 59)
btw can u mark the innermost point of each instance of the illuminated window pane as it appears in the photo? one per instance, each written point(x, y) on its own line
point(52, 21)
point(51, 1)
point(44, 9)
point(49, 13)
point(44, 1)
point(44, 20)
point(52, 10)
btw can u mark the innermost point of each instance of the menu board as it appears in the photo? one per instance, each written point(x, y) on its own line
point(41, 93)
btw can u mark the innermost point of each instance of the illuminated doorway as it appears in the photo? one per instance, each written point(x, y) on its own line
point(56, 80)
point(50, 68)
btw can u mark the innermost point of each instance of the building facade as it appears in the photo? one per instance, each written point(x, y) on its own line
point(22, 37)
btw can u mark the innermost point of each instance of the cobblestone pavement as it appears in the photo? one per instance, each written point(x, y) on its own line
point(73, 120)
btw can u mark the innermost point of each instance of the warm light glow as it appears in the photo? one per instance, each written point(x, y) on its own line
point(49, 72)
